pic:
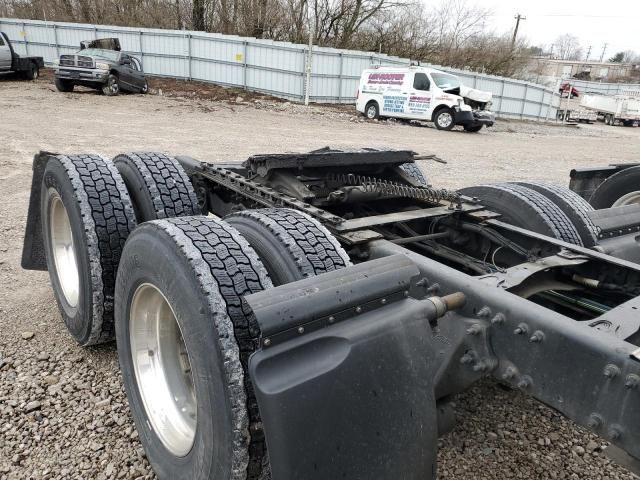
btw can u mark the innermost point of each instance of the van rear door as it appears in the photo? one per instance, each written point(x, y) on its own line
point(392, 85)
point(419, 104)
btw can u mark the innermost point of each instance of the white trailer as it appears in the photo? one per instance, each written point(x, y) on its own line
point(614, 110)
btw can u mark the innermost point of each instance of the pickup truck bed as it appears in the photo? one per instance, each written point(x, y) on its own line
point(10, 61)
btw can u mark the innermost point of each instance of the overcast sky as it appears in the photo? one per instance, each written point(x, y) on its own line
point(594, 22)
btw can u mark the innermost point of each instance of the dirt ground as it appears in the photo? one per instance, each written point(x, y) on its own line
point(63, 413)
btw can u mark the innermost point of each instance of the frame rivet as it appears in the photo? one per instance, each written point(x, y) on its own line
point(537, 337)
point(383, 301)
point(358, 309)
point(614, 433)
point(332, 319)
point(522, 329)
point(611, 371)
point(525, 382)
point(300, 330)
point(632, 381)
point(480, 367)
point(594, 421)
point(466, 359)
point(474, 329)
point(266, 342)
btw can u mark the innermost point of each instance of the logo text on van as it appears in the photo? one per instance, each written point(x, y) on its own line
point(386, 78)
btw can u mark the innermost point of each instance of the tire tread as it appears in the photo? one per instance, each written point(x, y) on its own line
point(166, 181)
point(108, 219)
point(227, 269)
point(312, 246)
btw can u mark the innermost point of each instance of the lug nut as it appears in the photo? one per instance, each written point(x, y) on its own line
point(484, 312)
point(499, 319)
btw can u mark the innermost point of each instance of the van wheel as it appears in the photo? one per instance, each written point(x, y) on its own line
point(444, 119)
point(372, 111)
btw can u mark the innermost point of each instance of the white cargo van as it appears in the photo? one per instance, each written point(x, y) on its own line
point(421, 93)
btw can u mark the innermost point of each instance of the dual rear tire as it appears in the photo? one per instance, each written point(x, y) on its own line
point(175, 303)
point(542, 208)
point(207, 268)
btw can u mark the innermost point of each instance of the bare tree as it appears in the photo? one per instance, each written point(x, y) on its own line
point(568, 47)
point(454, 33)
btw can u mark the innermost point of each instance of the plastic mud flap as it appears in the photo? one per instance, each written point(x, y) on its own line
point(33, 255)
point(344, 377)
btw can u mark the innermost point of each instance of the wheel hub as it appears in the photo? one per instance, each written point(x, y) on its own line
point(444, 119)
point(64, 256)
point(162, 369)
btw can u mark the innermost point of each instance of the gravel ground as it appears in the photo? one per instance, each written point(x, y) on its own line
point(63, 413)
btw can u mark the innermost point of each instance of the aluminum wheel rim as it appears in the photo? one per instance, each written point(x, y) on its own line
point(162, 369)
point(113, 85)
point(446, 116)
point(371, 112)
point(628, 199)
point(62, 248)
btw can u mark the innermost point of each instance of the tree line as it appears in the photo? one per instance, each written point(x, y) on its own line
point(454, 33)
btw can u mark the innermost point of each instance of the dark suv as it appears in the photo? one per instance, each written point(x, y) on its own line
point(106, 69)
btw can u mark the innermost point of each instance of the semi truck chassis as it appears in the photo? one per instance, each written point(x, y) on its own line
point(365, 300)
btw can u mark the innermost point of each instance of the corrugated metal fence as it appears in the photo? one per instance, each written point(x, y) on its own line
point(277, 68)
point(604, 88)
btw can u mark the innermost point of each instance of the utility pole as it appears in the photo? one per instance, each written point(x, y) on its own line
point(604, 49)
point(307, 83)
point(588, 54)
point(515, 31)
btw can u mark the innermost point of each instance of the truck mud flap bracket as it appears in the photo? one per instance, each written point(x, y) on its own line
point(344, 378)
